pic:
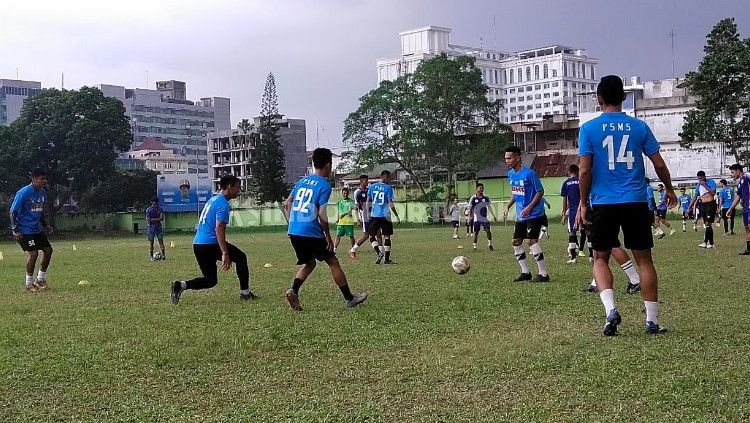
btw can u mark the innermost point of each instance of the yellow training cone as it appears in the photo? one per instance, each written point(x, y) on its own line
point(74, 247)
point(460, 247)
point(267, 265)
point(1, 255)
point(83, 282)
point(171, 244)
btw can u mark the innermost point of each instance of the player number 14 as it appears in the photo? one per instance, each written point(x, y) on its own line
point(623, 156)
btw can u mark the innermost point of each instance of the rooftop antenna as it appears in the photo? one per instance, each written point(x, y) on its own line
point(481, 43)
point(146, 78)
point(494, 32)
point(62, 81)
point(17, 77)
point(671, 36)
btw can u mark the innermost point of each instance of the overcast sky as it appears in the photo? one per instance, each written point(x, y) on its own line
point(323, 52)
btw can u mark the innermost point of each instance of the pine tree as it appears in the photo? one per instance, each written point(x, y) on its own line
point(267, 164)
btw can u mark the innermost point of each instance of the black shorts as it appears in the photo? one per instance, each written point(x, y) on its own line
point(528, 229)
point(308, 249)
point(545, 220)
point(455, 223)
point(478, 226)
point(662, 214)
point(651, 217)
point(708, 211)
point(380, 224)
point(634, 219)
point(34, 242)
point(725, 212)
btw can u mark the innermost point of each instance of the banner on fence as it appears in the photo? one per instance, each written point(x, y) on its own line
point(183, 193)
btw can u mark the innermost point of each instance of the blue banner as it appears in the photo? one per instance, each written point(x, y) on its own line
point(183, 193)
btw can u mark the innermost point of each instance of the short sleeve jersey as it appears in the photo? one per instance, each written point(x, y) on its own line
point(743, 190)
point(726, 195)
point(524, 185)
point(154, 213)
point(570, 190)
point(662, 206)
point(684, 201)
point(308, 196)
point(479, 207)
point(455, 212)
point(217, 209)
point(700, 189)
point(29, 204)
point(380, 194)
point(616, 144)
point(345, 208)
point(650, 198)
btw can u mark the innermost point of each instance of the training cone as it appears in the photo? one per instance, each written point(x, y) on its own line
point(268, 265)
point(74, 247)
point(460, 247)
point(1, 255)
point(83, 282)
point(171, 244)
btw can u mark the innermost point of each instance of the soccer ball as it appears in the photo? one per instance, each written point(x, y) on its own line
point(157, 256)
point(460, 265)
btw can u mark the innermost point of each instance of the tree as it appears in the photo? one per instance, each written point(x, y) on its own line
point(722, 87)
point(123, 191)
point(267, 163)
point(74, 135)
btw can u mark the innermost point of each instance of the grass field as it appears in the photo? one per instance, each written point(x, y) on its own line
point(428, 345)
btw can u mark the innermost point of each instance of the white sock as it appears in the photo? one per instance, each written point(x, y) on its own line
point(474, 244)
point(382, 249)
point(659, 231)
point(387, 248)
point(42, 276)
point(183, 284)
point(652, 311)
point(489, 243)
point(354, 249)
point(593, 282)
point(608, 300)
point(521, 257)
point(536, 251)
point(29, 279)
point(629, 269)
point(244, 291)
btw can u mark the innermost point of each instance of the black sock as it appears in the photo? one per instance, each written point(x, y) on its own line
point(748, 246)
point(296, 284)
point(710, 235)
point(572, 253)
point(347, 293)
point(387, 245)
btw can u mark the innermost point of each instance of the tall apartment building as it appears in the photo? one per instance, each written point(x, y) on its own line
point(12, 95)
point(532, 83)
point(230, 151)
point(165, 113)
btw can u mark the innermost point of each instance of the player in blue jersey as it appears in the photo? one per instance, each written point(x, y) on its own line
point(527, 191)
point(661, 212)
point(724, 201)
point(380, 202)
point(210, 244)
point(154, 217)
point(309, 230)
point(479, 207)
point(743, 196)
point(684, 201)
point(612, 175)
point(652, 209)
point(360, 199)
point(705, 191)
point(570, 199)
point(29, 224)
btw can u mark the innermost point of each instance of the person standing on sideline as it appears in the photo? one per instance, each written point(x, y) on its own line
point(724, 200)
point(684, 201)
point(28, 223)
point(705, 191)
point(309, 232)
point(612, 175)
point(210, 245)
point(455, 212)
point(154, 217)
point(344, 220)
point(527, 191)
point(743, 195)
point(570, 199)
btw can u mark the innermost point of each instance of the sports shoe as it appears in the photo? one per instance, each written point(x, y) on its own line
point(610, 327)
point(684, 230)
point(491, 248)
point(352, 255)
point(592, 289)
point(357, 300)
point(293, 299)
point(248, 296)
point(40, 285)
point(581, 254)
point(632, 288)
point(475, 248)
point(163, 256)
point(744, 253)
point(381, 256)
point(541, 278)
point(455, 236)
point(31, 288)
point(571, 261)
point(695, 228)
point(523, 277)
point(672, 232)
point(709, 246)
point(654, 328)
point(389, 262)
point(731, 233)
point(702, 245)
point(591, 259)
point(177, 291)
point(153, 258)
point(661, 235)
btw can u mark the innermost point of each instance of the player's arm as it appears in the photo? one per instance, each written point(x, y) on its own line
point(394, 211)
point(323, 219)
point(564, 211)
point(221, 237)
point(584, 185)
point(288, 207)
point(14, 224)
point(534, 201)
point(507, 208)
point(734, 204)
point(45, 224)
point(663, 172)
point(492, 211)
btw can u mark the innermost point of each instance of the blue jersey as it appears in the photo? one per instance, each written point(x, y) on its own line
point(478, 206)
point(616, 144)
point(570, 190)
point(154, 213)
point(524, 185)
point(650, 198)
point(710, 185)
point(308, 196)
point(743, 190)
point(380, 194)
point(29, 204)
point(726, 195)
point(662, 201)
point(216, 209)
point(684, 201)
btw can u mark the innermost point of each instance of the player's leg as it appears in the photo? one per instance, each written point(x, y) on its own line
point(361, 240)
point(350, 233)
point(476, 227)
point(160, 238)
point(725, 220)
point(339, 278)
point(489, 236)
point(731, 222)
point(519, 234)
point(41, 277)
point(534, 227)
point(303, 271)
point(239, 258)
point(151, 247)
point(544, 230)
point(31, 258)
point(387, 232)
point(684, 221)
point(206, 256)
point(709, 215)
point(336, 242)
point(605, 228)
point(746, 222)
point(623, 259)
point(582, 242)
point(572, 238)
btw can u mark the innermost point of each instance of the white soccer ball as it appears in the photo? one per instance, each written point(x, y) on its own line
point(460, 265)
point(157, 256)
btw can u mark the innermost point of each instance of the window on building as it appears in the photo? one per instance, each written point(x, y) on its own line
point(512, 109)
point(555, 84)
point(512, 99)
point(520, 98)
point(528, 88)
point(538, 86)
point(538, 105)
point(529, 97)
point(546, 95)
point(565, 69)
point(529, 107)
point(520, 75)
point(537, 96)
point(505, 77)
point(530, 116)
point(545, 73)
point(546, 105)
point(528, 73)
point(536, 71)
point(511, 77)
point(512, 90)
point(555, 94)
point(538, 115)
point(546, 85)
point(583, 71)
point(593, 76)
point(554, 73)
point(495, 72)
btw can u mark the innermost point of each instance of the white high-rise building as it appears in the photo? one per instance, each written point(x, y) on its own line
point(179, 124)
point(532, 83)
point(12, 95)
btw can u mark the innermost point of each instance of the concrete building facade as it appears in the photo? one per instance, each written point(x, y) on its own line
point(165, 113)
point(13, 92)
point(532, 83)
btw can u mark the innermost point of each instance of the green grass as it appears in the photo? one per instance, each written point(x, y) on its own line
point(428, 345)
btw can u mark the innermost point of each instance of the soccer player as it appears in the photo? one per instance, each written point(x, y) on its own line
point(360, 197)
point(154, 217)
point(544, 231)
point(309, 232)
point(743, 195)
point(661, 212)
point(29, 224)
point(570, 199)
point(623, 259)
point(455, 212)
point(527, 191)
point(479, 205)
point(344, 220)
point(210, 244)
point(724, 200)
point(652, 209)
point(684, 201)
point(611, 150)
point(706, 192)
point(380, 202)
